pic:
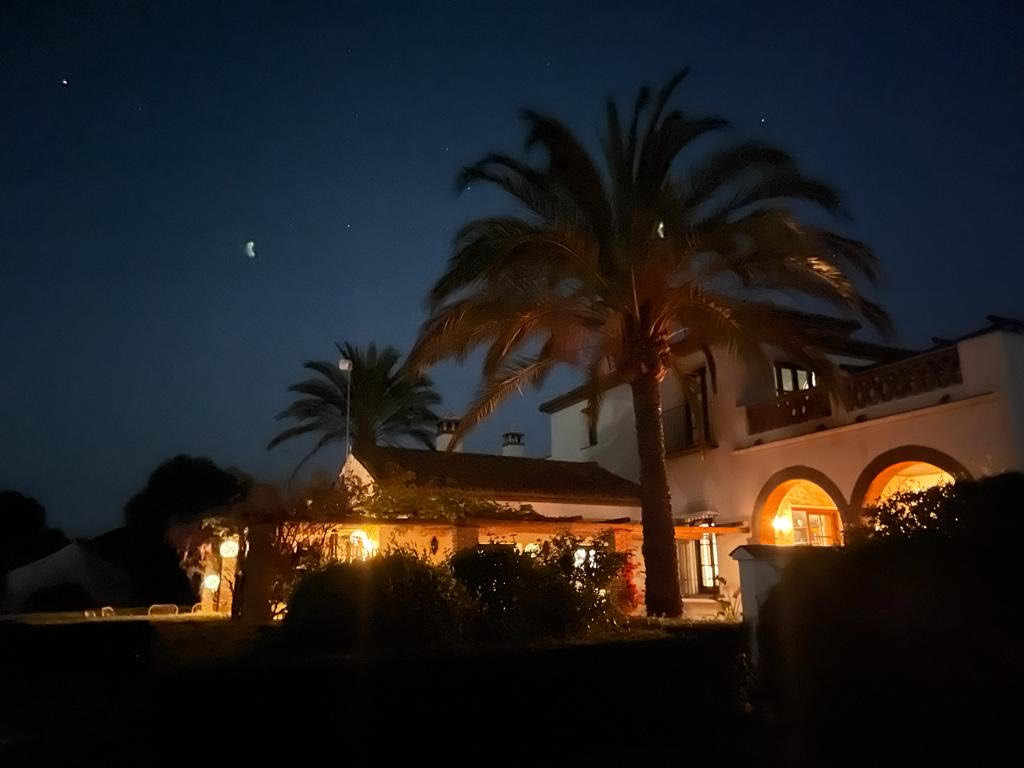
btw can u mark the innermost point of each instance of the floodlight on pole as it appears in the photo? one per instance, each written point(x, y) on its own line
point(344, 364)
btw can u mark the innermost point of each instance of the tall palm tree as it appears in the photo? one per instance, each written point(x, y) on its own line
point(622, 269)
point(389, 404)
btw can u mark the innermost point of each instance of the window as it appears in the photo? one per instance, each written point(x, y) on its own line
point(707, 563)
point(590, 429)
point(792, 378)
point(698, 565)
point(816, 527)
point(681, 426)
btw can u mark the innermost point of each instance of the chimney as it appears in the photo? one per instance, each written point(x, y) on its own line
point(512, 444)
point(445, 431)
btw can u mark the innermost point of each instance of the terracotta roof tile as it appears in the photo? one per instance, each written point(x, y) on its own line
point(506, 478)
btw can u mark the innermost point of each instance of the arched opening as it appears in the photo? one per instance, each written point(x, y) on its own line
point(910, 468)
point(800, 512)
point(906, 476)
point(799, 506)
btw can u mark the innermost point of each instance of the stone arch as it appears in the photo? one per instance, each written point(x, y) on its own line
point(777, 486)
point(884, 467)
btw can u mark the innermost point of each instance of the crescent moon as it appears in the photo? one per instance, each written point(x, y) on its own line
point(250, 249)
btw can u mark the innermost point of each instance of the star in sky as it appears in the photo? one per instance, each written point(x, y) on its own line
point(64, 82)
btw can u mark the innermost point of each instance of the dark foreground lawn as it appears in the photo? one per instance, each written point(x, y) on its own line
point(106, 691)
point(137, 693)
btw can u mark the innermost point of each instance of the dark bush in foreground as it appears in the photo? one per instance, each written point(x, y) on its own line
point(562, 589)
point(395, 600)
point(967, 510)
point(894, 644)
point(517, 600)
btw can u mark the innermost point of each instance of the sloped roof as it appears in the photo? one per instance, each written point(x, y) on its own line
point(505, 478)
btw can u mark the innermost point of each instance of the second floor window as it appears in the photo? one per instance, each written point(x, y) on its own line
point(684, 427)
point(792, 378)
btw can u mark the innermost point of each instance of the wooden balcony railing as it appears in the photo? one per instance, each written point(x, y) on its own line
point(791, 408)
point(913, 376)
point(921, 373)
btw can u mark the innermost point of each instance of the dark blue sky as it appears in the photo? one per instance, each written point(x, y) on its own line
point(134, 327)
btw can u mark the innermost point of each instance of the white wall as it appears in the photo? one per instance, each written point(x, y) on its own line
point(587, 511)
point(616, 434)
point(982, 427)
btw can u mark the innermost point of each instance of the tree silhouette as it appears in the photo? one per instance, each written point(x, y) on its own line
point(620, 270)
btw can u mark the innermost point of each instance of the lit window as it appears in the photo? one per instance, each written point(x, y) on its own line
point(707, 563)
point(814, 527)
point(792, 378)
point(584, 556)
point(698, 565)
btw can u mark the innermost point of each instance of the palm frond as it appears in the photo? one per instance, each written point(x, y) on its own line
point(521, 373)
point(615, 261)
point(383, 400)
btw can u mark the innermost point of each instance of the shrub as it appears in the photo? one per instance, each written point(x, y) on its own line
point(601, 577)
point(563, 589)
point(961, 510)
point(517, 600)
point(392, 601)
point(894, 637)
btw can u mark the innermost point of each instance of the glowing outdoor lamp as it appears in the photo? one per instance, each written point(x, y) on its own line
point(783, 524)
point(211, 582)
point(229, 548)
point(360, 538)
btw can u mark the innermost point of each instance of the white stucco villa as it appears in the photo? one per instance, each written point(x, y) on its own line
point(782, 463)
point(793, 465)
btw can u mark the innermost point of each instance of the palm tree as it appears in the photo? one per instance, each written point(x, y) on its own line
point(389, 404)
point(619, 271)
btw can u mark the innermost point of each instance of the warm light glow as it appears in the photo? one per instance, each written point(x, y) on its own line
point(804, 514)
point(913, 478)
point(360, 537)
point(229, 548)
point(783, 524)
point(211, 582)
point(582, 555)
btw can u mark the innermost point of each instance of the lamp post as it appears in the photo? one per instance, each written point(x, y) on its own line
point(344, 364)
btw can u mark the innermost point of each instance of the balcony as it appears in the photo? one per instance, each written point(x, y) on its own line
point(922, 373)
point(882, 384)
point(787, 410)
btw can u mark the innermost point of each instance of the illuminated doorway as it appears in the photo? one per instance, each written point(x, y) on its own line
point(800, 513)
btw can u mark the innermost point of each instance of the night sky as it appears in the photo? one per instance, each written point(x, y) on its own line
point(134, 326)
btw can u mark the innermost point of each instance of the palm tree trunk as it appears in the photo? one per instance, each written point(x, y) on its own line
point(659, 548)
